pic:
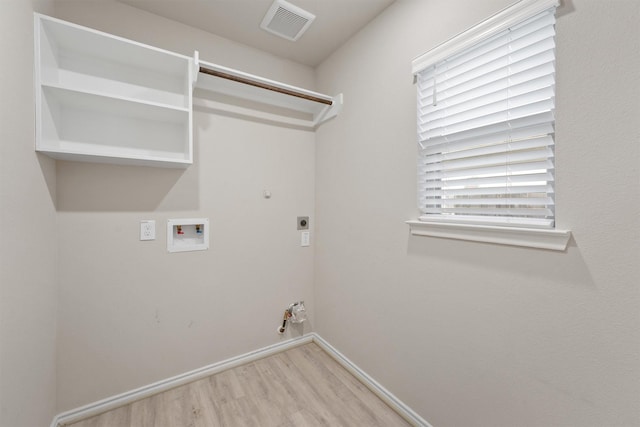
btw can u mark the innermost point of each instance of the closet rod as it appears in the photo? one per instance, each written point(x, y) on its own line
point(264, 86)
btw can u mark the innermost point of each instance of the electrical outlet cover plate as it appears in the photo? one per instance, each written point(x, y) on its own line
point(148, 229)
point(304, 238)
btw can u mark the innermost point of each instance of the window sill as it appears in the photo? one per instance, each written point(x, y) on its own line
point(556, 240)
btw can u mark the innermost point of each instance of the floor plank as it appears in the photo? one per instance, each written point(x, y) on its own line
point(302, 386)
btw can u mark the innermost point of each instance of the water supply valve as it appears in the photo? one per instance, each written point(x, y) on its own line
point(295, 313)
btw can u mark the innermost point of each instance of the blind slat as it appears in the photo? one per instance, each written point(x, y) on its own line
point(497, 171)
point(506, 102)
point(545, 177)
point(543, 118)
point(449, 144)
point(529, 81)
point(498, 160)
point(488, 191)
point(532, 213)
point(441, 153)
point(490, 201)
point(488, 116)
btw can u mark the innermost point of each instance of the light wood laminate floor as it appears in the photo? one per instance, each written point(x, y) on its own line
point(302, 386)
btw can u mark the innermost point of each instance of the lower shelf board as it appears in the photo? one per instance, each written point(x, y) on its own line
point(118, 159)
point(73, 125)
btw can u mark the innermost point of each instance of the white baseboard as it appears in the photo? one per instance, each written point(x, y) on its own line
point(116, 401)
point(385, 395)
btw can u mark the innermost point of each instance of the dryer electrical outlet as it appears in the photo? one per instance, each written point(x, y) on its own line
point(303, 223)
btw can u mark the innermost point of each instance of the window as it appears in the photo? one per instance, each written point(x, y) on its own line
point(486, 101)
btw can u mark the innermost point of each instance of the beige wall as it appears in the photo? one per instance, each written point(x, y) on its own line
point(472, 334)
point(130, 313)
point(28, 250)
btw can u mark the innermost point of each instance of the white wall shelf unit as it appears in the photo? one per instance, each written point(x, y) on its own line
point(102, 98)
point(220, 88)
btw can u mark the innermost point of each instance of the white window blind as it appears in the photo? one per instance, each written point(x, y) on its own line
point(486, 129)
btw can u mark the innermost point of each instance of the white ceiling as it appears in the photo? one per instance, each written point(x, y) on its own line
point(239, 20)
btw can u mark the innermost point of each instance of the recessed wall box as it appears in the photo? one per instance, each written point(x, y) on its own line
point(185, 235)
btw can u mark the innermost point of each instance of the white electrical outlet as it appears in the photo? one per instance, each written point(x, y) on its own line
point(148, 229)
point(304, 238)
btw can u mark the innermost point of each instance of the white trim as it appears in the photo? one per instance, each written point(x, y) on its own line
point(122, 399)
point(385, 395)
point(502, 20)
point(125, 398)
point(540, 238)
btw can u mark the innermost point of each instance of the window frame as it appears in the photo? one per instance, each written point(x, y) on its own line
point(543, 238)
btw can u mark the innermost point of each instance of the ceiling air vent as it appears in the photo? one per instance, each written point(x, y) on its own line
point(286, 20)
